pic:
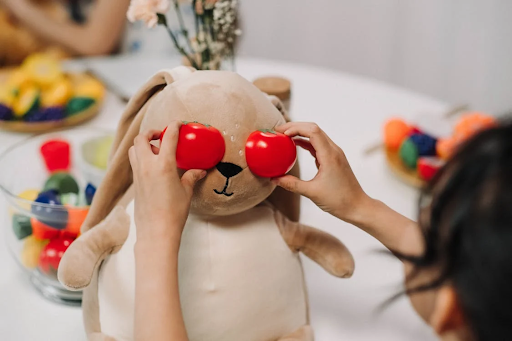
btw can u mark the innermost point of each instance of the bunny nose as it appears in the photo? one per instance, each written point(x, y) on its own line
point(228, 169)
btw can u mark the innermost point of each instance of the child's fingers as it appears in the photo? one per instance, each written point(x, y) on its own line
point(282, 128)
point(292, 184)
point(155, 149)
point(304, 129)
point(191, 177)
point(305, 144)
point(170, 141)
point(142, 145)
point(317, 137)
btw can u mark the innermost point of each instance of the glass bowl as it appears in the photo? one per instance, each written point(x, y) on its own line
point(48, 181)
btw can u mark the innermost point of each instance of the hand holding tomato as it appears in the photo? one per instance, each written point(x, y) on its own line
point(335, 188)
point(199, 146)
point(162, 197)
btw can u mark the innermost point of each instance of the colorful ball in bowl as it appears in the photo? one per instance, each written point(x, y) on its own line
point(47, 197)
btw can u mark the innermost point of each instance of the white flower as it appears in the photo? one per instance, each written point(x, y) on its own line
point(146, 10)
point(224, 23)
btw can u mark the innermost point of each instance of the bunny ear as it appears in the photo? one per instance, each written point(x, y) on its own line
point(119, 175)
point(286, 202)
point(279, 106)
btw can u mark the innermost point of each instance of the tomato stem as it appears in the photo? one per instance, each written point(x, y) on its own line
point(187, 122)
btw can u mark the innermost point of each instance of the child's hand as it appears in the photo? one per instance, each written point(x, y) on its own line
point(162, 199)
point(335, 188)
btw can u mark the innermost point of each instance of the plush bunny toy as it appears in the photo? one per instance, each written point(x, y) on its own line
point(240, 275)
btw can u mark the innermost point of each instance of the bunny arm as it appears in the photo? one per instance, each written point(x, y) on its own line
point(321, 247)
point(85, 254)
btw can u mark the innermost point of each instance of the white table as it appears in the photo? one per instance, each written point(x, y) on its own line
point(351, 110)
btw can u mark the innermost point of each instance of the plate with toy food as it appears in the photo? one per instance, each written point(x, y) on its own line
point(415, 155)
point(40, 96)
point(49, 182)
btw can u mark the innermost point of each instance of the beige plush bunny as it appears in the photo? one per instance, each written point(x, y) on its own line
point(240, 274)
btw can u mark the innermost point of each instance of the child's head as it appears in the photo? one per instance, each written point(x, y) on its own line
point(466, 217)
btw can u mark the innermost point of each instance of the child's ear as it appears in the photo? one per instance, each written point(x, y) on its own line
point(447, 316)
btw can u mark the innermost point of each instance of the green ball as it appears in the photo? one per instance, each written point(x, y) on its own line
point(409, 154)
point(62, 182)
point(79, 104)
point(21, 226)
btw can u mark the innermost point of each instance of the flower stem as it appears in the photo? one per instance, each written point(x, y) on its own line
point(207, 35)
point(196, 17)
point(183, 28)
point(162, 20)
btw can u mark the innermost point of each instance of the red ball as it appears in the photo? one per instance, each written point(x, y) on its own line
point(52, 253)
point(415, 130)
point(428, 167)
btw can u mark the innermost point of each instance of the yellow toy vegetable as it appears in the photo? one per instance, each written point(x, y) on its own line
point(28, 101)
point(58, 94)
point(89, 88)
point(7, 96)
point(43, 69)
point(19, 80)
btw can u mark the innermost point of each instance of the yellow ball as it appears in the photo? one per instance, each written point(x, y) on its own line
point(32, 248)
point(29, 195)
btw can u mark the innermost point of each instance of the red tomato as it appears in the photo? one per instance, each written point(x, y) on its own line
point(52, 253)
point(199, 146)
point(270, 154)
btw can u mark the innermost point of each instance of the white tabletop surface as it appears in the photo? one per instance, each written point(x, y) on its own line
point(351, 110)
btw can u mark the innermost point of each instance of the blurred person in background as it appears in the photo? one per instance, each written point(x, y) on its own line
point(72, 27)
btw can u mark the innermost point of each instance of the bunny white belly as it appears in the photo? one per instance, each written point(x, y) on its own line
point(238, 281)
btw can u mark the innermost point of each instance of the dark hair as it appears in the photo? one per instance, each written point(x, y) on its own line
point(468, 232)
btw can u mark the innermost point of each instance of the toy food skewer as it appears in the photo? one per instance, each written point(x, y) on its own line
point(450, 113)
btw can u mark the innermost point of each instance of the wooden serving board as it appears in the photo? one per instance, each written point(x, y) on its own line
point(39, 127)
point(407, 175)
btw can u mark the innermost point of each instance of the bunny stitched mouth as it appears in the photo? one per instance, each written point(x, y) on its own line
point(223, 192)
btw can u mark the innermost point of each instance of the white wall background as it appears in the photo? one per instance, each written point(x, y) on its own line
point(455, 50)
